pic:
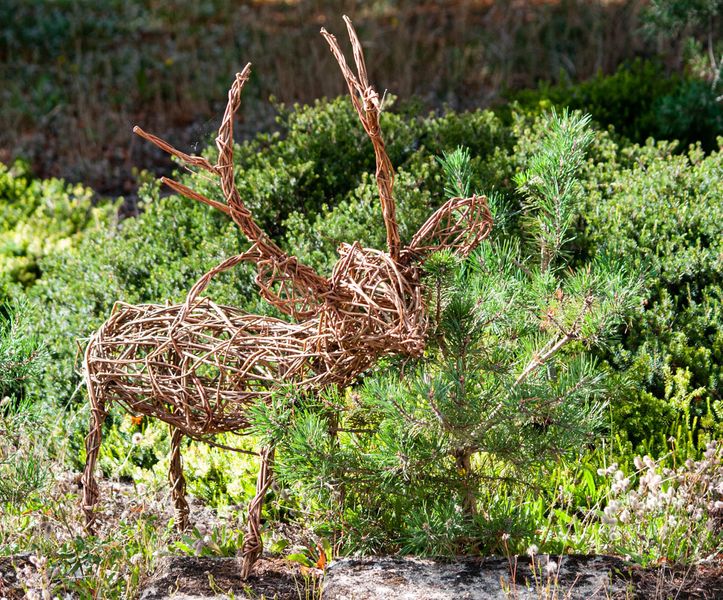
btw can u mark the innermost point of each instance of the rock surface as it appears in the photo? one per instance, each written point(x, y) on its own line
point(471, 579)
point(569, 577)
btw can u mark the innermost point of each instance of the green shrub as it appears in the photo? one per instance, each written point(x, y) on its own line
point(39, 218)
point(624, 99)
point(663, 212)
point(690, 113)
point(640, 101)
point(321, 153)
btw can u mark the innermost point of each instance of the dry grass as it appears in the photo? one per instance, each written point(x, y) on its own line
point(77, 76)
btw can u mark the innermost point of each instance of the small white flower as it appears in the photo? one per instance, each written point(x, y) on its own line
point(608, 520)
point(638, 463)
point(532, 550)
point(137, 438)
point(38, 561)
point(550, 568)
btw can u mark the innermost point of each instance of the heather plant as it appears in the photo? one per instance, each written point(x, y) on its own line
point(662, 212)
point(624, 99)
point(675, 513)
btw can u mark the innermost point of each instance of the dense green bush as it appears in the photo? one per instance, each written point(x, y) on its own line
point(639, 101)
point(320, 155)
point(40, 218)
point(663, 211)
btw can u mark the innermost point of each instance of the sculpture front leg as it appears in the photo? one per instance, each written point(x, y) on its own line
point(92, 449)
point(253, 544)
point(178, 481)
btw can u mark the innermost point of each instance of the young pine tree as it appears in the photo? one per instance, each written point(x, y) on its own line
point(411, 458)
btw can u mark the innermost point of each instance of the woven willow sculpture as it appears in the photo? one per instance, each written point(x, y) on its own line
point(198, 366)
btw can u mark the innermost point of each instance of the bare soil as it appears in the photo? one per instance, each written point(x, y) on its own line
point(276, 578)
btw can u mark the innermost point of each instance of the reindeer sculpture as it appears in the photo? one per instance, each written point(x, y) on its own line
point(198, 366)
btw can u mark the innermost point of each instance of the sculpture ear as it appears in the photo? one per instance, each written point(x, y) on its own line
point(459, 225)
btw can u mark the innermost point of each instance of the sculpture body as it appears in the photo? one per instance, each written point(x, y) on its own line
point(197, 365)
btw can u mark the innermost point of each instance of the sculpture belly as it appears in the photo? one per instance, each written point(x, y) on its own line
point(199, 370)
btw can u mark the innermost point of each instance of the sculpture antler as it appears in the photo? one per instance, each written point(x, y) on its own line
point(368, 106)
point(291, 286)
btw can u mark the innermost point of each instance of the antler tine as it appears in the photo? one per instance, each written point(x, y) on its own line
point(296, 280)
point(368, 106)
point(235, 207)
point(191, 159)
point(224, 167)
point(356, 49)
point(200, 161)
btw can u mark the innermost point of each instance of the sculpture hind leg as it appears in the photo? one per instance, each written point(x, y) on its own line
point(92, 449)
point(253, 544)
point(178, 481)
